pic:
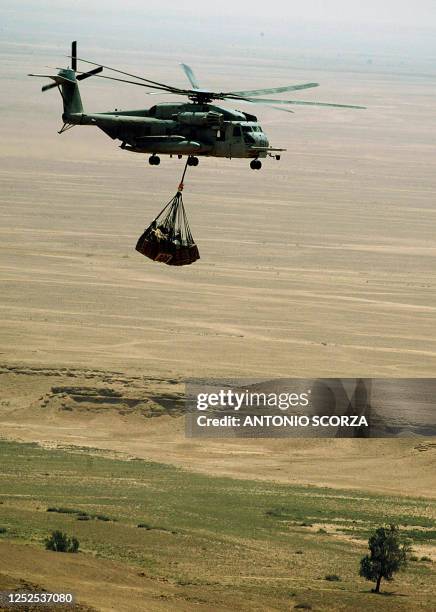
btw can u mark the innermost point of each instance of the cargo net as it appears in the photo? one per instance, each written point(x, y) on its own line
point(168, 238)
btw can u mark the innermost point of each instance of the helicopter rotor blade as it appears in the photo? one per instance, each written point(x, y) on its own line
point(300, 102)
point(48, 86)
point(191, 76)
point(272, 90)
point(85, 75)
point(285, 110)
point(80, 77)
point(47, 76)
point(207, 96)
point(161, 89)
point(74, 55)
point(157, 84)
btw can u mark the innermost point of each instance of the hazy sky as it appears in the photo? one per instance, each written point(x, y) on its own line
point(402, 12)
point(393, 33)
point(395, 12)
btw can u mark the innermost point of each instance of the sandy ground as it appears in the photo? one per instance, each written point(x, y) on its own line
point(320, 264)
point(105, 584)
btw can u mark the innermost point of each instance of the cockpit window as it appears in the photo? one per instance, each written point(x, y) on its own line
point(251, 128)
point(247, 131)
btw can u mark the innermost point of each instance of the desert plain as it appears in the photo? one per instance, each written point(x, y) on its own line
point(320, 264)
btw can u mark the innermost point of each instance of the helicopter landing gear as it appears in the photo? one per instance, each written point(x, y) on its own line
point(255, 164)
point(192, 161)
point(154, 160)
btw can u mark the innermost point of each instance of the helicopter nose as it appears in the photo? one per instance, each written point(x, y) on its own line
point(262, 140)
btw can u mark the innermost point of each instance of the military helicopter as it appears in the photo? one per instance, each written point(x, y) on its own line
point(194, 128)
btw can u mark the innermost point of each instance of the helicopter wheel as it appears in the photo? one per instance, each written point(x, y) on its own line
point(255, 164)
point(192, 161)
point(154, 160)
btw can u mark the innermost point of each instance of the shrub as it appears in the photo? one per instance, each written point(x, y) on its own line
point(144, 526)
point(81, 515)
point(425, 559)
point(74, 545)
point(303, 606)
point(3, 530)
point(278, 512)
point(60, 542)
point(333, 578)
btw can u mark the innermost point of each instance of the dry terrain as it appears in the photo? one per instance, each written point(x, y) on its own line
point(130, 416)
point(321, 264)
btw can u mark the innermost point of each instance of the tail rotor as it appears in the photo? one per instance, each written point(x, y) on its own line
point(61, 77)
point(74, 55)
point(66, 80)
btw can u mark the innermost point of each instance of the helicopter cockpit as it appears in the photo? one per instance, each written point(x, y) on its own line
point(251, 133)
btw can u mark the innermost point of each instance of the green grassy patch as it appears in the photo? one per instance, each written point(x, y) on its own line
point(188, 528)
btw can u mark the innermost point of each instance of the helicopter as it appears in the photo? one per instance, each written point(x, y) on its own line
point(193, 128)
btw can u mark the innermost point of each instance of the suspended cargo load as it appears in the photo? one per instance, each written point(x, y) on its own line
point(168, 238)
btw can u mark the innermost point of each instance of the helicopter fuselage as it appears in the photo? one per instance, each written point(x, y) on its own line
point(181, 129)
point(193, 128)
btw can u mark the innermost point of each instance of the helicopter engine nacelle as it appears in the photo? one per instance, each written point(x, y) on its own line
point(210, 118)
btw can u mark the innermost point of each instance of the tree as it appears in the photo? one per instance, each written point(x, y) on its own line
point(388, 554)
point(60, 542)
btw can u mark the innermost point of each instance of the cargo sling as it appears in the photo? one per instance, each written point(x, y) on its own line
point(168, 238)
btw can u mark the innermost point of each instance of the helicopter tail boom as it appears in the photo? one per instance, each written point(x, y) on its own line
point(67, 82)
point(69, 88)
